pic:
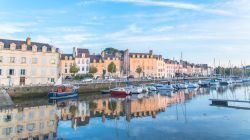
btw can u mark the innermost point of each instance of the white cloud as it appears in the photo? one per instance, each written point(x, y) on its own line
point(10, 29)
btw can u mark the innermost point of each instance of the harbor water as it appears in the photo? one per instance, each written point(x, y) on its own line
point(181, 115)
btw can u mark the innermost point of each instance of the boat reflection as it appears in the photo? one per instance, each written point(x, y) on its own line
point(41, 121)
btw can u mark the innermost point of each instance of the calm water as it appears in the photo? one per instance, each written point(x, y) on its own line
point(183, 115)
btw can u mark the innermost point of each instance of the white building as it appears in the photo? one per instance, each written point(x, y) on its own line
point(82, 59)
point(27, 63)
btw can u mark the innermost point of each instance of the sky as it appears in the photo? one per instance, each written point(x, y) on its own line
point(203, 30)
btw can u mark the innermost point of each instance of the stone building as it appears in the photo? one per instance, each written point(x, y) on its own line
point(38, 122)
point(28, 63)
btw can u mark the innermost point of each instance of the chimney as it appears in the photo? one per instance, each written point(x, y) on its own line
point(28, 41)
point(150, 52)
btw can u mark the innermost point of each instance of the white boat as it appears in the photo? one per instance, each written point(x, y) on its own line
point(192, 85)
point(182, 86)
point(246, 80)
point(134, 89)
point(204, 83)
point(151, 87)
point(164, 87)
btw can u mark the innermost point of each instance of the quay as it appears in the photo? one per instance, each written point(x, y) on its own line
point(36, 91)
point(224, 103)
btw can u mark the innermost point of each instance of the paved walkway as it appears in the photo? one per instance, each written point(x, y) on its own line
point(5, 99)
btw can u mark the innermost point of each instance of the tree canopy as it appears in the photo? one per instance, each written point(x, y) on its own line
point(139, 70)
point(74, 69)
point(112, 67)
point(92, 70)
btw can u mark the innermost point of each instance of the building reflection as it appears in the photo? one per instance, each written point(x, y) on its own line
point(81, 112)
point(28, 123)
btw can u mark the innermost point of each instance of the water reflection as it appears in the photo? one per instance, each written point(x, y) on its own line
point(41, 121)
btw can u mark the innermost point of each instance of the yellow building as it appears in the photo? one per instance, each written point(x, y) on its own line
point(101, 62)
point(147, 61)
point(28, 123)
point(28, 63)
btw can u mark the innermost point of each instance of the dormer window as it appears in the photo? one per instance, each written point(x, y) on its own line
point(70, 58)
point(53, 49)
point(1, 45)
point(24, 47)
point(34, 48)
point(12, 46)
point(66, 57)
point(44, 49)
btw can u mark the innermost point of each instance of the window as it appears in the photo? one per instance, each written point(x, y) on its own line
point(23, 60)
point(41, 125)
point(19, 128)
point(34, 60)
point(7, 118)
point(12, 59)
point(53, 61)
point(66, 64)
point(11, 71)
point(82, 68)
point(22, 71)
point(52, 80)
point(78, 61)
point(1, 59)
point(7, 131)
point(0, 71)
point(83, 61)
point(87, 68)
point(87, 62)
point(30, 127)
point(65, 71)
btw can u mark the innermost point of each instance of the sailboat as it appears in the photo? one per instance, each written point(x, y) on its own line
point(61, 90)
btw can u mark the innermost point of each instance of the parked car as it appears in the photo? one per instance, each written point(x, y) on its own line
point(111, 79)
point(87, 80)
point(68, 78)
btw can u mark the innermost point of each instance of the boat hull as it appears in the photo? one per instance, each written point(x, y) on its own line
point(61, 95)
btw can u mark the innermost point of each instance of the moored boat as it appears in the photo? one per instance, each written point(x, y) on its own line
point(120, 91)
point(192, 85)
point(164, 87)
point(63, 91)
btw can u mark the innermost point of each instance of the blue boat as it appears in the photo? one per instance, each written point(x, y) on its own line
point(63, 91)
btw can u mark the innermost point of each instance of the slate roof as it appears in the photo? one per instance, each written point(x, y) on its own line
point(80, 51)
point(68, 55)
point(95, 57)
point(19, 43)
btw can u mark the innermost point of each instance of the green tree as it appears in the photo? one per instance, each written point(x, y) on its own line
point(139, 70)
point(92, 70)
point(111, 51)
point(112, 67)
point(74, 69)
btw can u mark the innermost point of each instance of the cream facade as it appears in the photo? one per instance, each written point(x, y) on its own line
point(28, 123)
point(82, 60)
point(28, 63)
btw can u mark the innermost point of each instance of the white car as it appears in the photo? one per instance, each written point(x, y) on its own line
point(111, 79)
point(87, 80)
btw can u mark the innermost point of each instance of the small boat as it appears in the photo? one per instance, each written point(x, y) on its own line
point(204, 83)
point(182, 86)
point(214, 83)
point(225, 82)
point(63, 91)
point(120, 91)
point(192, 85)
point(164, 87)
point(105, 91)
point(134, 89)
point(151, 87)
point(246, 80)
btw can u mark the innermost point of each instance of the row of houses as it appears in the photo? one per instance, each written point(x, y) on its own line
point(32, 63)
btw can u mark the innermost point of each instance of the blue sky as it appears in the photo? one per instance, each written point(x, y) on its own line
point(201, 29)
